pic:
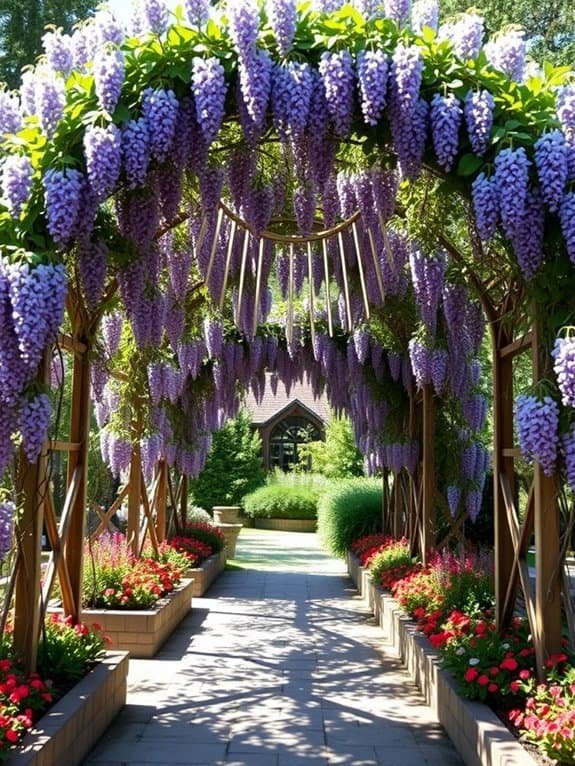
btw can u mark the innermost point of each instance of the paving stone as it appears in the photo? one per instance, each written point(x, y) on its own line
point(281, 665)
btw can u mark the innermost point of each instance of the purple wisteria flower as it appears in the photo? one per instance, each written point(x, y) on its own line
point(478, 112)
point(465, 34)
point(551, 161)
point(564, 368)
point(372, 75)
point(17, 173)
point(338, 78)
point(424, 13)
point(506, 51)
point(209, 90)
point(282, 18)
point(109, 68)
point(537, 427)
point(103, 152)
point(446, 115)
point(63, 189)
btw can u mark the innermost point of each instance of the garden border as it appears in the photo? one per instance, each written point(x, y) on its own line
point(143, 631)
point(204, 575)
point(71, 728)
point(287, 525)
point(477, 733)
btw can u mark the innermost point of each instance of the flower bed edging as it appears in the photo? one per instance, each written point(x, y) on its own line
point(71, 728)
point(479, 736)
point(204, 575)
point(287, 525)
point(142, 632)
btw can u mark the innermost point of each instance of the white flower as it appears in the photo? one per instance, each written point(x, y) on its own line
point(474, 661)
point(505, 646)
point(460, 651)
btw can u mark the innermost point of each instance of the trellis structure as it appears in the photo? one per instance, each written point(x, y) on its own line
point(413, 505)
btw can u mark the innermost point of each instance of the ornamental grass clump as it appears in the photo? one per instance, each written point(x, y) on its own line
point(349, 510)
point(116, 579)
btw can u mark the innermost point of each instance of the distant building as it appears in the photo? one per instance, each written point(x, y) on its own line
point(285, 422)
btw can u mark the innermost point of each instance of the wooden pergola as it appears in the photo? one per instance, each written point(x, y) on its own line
point(411, 500)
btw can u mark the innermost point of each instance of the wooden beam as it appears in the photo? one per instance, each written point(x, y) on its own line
point(73, 345)
point(160, 501)
point(28, 534)
point(77, 479)
point(55, 445)
point(503, 468)
point(514, 347)
point(428, 491)
point(547, 531)
point(134, 501)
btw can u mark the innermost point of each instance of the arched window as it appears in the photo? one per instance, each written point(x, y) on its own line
point(285, 438)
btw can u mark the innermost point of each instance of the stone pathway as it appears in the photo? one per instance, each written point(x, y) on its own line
point(280, 666)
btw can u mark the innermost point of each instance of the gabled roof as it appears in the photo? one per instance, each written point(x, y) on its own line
point(273, 405)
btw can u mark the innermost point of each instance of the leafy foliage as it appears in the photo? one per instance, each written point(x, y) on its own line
point(338, 456)
point(286, 497)
point(349, 510)
point(233, 467)
point(22, 25)
point(548, 24)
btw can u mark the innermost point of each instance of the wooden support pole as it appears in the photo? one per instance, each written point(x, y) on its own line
point(134, 501)
point(161, 501)
point(184, 499)
point(28, 577)
point(502, 466)
point(547, 535)
point(31, 487)
point(78, 472)
point(428, 490)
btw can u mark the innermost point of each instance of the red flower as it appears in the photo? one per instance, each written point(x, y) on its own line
point(509, 664)
point(471, 675)
point(515, 686)
point(11, 735)
point(555, 659)
point(483, 680)
point(492, 688)
point(524, 674)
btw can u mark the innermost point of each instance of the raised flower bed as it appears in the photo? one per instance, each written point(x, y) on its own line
point(70, 729)
point(143, 631)
point(205, 574)
point(478, 734)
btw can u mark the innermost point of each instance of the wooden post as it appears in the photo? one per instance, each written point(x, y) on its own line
point(28, 576)
point(428, 489)
point(502, 465)
point(547, 536)
point(134, 500)
point(80, 433)
point(184, 499)
point(161, 501)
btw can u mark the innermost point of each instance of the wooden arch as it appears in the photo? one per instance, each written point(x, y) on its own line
point(414, 499)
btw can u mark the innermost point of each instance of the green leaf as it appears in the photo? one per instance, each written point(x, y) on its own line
point(469, 164)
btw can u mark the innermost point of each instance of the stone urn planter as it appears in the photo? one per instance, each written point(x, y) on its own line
point(71, 728)
point(226, 514)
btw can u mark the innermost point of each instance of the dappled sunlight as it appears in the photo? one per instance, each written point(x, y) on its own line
point(282, 665)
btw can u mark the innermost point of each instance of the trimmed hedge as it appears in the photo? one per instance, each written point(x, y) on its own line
point(347, 511)
point(279, 501)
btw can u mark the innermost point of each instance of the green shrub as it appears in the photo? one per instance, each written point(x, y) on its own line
point(233, 467)
point(347, 511)
point(195, 513)
point(392, 556)
point(282, 501)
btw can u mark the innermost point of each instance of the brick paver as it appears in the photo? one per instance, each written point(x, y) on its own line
point(280, 666)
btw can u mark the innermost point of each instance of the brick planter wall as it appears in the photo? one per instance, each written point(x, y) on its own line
point(477, 733)
point(142, 632)
point(287, 525)
point(204, 575)
point(67, 733)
